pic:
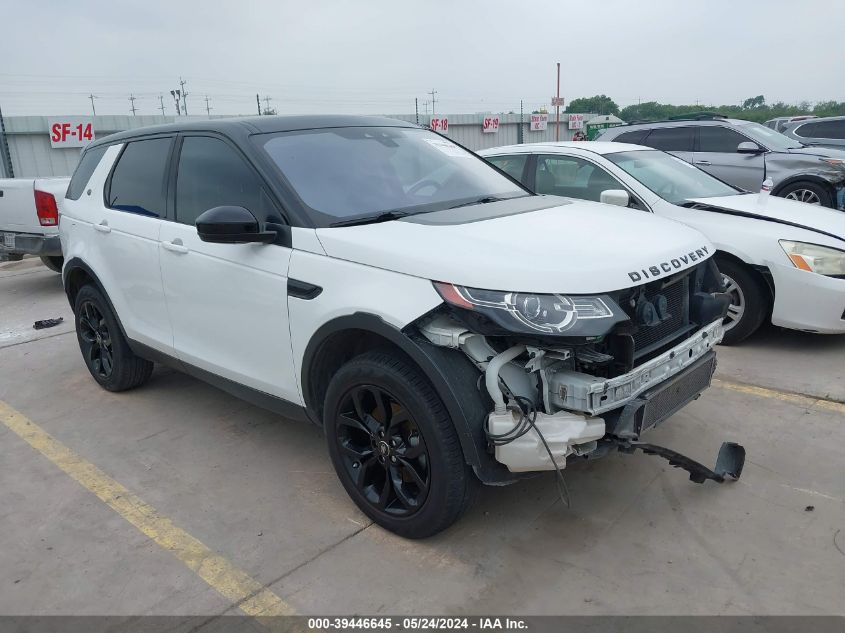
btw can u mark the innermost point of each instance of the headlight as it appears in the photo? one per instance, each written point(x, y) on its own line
point(539, 313)
point(814, 258)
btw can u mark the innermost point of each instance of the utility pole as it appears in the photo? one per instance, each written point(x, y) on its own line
point(176, 94)
point(5, 155)
point(161, 101)
point(267, 101)
point(258, 103)
point(557, 104)
point(132, 102)
point(520, 132)
point(208, 108)
point(184, 96)
point(425, 105)
point(417, 110)
point(93, 109)
point(432, 93)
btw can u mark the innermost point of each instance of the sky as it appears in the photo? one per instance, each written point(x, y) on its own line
point(377, 56)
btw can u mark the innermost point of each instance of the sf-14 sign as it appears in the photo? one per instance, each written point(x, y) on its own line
point(71, 131)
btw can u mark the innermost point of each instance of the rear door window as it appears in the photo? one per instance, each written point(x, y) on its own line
point(87, 164)
point(138, 184)
point(670, 139)
point(713, 138)
point(573, 178)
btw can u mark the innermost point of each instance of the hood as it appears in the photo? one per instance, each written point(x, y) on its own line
point(571, 247)
point(807, 216)
point(815, 150)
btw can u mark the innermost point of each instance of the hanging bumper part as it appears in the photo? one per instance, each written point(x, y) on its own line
point(729, 462)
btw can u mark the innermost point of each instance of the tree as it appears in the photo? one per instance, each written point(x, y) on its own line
point(829, 108)
point(754, 102)
point(600, 104)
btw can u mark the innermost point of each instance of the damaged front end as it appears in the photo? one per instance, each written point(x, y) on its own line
point(578, 376)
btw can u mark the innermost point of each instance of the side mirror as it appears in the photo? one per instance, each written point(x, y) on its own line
point(747, 147)
point(231, 225)
point(618, 197)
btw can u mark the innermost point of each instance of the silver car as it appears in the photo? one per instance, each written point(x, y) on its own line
point(743, 154)
point(826, 132)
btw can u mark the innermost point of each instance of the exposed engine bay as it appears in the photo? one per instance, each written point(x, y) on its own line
point(577, 376)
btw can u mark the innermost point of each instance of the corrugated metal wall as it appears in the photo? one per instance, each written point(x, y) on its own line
point(32, 155)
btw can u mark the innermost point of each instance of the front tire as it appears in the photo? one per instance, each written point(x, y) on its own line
point(54, 263)
point(394, 446)
point(104, 349)
point(808, 192)
point(749, 301)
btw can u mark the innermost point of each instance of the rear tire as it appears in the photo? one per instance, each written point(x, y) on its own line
point(104, 349)
point(806, 191)
point(749, 301)
point(394, 446)
point(54, 263)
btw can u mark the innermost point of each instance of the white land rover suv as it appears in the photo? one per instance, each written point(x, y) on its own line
point(443, 324)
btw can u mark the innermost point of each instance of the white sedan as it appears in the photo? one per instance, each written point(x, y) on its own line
point(780, 259)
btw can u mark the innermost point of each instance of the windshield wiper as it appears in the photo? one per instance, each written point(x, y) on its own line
point(482, 200)
point(385, 216)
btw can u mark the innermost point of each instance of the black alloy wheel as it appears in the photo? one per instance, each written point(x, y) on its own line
point(383, 451)
point(96, 340)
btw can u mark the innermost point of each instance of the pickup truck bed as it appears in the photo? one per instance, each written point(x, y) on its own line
point(29, 218)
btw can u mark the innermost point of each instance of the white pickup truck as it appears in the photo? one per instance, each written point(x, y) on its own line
point(29, 219)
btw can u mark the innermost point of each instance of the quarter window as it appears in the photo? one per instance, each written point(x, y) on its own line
point(87, 164)
point(822, 129)
point(572, 177)
point(713, 138)
point(670, 139)
point(138, 183)
point(513, 165)
point(212, 174)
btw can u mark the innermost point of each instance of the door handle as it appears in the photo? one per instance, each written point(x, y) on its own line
point(102, 227)
point(175, 246)
point(703, 162)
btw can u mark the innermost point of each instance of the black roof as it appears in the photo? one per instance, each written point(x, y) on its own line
point(245, 126)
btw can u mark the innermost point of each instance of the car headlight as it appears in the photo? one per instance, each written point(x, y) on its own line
point(823, 260)
point(538, 313)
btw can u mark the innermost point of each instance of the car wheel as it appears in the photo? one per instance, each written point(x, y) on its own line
point(394, 446)
point(104, 349)
point(808, 192)
point(54, 263)
point(749, 301)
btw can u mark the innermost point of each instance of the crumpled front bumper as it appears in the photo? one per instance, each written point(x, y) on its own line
point(575, 391)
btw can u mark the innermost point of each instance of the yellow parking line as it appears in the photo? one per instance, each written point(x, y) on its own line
point(783, 396)
point(248, 594)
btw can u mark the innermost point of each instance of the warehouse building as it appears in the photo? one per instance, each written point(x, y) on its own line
point(41, 146)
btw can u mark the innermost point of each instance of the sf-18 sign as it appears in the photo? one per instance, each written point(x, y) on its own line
point(576, 121)
point(539, 122)
point(490, 125)
point(71, 131)
point(439, 125)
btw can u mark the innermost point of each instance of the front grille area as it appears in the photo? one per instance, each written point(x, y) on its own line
point(674, 394)
point(648, 338)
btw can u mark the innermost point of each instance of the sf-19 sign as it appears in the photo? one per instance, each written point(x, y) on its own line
point(439, 125)
point(70, 131)
point(490, 124)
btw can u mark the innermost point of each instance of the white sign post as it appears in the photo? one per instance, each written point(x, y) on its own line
point(539, 122)
point(70, 131)
point(490, 125)
point(576, 121)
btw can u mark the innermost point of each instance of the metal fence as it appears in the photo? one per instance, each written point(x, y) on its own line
point(31, 153)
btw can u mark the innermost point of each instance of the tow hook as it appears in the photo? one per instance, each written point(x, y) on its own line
point(729, 462)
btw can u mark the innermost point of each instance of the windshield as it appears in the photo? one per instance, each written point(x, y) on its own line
point(670, 178)
point(348, 173)
point(772, 139)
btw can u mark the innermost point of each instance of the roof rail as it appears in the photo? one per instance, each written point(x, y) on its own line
point(697, 116)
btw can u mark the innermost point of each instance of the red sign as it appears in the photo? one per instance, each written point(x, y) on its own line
point(439, 125)
point(70, 132)
point(490, 125)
